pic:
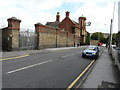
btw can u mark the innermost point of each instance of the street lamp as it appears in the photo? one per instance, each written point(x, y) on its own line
point(88, 23)
point(111, 29)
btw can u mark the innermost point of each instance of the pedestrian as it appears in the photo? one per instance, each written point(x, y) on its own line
point(106, 45)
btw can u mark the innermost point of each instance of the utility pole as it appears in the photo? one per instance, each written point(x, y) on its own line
point(111, 29)
point(110, 38)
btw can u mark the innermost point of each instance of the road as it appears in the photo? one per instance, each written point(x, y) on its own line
point(52, 69)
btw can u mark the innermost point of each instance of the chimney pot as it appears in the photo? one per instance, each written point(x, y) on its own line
point(58, 17)
point(67, 14)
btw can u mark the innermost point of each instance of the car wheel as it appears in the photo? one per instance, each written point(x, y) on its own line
point(96, 58)
point(97, 55)
point(83, 56)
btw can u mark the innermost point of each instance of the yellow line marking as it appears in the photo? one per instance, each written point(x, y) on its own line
point(73, 83)
point(15, 57)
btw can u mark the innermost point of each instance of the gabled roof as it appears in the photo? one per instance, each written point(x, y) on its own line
point(53, 24)
point(74, 22)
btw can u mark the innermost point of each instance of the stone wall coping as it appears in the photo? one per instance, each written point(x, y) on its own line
point(13, 28)
point(14, 18)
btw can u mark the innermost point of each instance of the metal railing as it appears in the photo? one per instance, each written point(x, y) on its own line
point(27, 40)
point(116, 56)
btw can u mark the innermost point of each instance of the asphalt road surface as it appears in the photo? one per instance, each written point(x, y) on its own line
point(52, 69)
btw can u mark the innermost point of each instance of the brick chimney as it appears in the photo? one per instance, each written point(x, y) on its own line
point(67, 14)
point(58, 17)
point(81, 20)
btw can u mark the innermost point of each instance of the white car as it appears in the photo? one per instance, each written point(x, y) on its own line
point(103, 45)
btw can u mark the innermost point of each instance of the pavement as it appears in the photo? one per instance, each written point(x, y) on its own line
point(104, 74)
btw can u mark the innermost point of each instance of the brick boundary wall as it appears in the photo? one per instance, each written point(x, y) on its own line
point(49, 37)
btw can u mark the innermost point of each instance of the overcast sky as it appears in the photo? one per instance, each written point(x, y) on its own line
point(98, 12)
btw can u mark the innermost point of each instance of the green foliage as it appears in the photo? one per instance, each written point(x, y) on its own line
point(114, 38)
point(88, 39)
point(99, 36)
point(94, 36)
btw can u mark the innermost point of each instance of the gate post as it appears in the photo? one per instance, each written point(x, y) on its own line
point(13, 33)
point(39, 28)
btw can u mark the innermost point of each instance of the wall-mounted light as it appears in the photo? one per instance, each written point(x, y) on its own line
point(11, 35)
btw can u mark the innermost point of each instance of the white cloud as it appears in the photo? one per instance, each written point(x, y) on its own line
point(99, 12)
point(98, 15)
point(29, 11)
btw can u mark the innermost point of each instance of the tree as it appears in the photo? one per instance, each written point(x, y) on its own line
point(87, 39)
point(114, 38)
point(99, 36)
point(94, 36)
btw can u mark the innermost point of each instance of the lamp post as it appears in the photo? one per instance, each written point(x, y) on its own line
point(111, 29)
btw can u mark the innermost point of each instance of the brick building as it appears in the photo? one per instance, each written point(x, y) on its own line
point(71, 26)
point(53, 34)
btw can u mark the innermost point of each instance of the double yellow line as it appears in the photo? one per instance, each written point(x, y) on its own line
point(75, 81)
point(26, 55)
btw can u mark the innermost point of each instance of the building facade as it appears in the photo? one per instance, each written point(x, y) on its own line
point(53, 34)
point(78, 29)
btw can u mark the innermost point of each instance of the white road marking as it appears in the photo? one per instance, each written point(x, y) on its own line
point(64, 56)
point(28, 66)
point(67, 55)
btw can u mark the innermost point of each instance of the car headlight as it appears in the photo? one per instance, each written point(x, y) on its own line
point(94, 53)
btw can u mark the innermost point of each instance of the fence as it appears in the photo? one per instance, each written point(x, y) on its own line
point(27, 40)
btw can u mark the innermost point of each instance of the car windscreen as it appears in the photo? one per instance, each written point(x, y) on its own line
point(95, 49)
